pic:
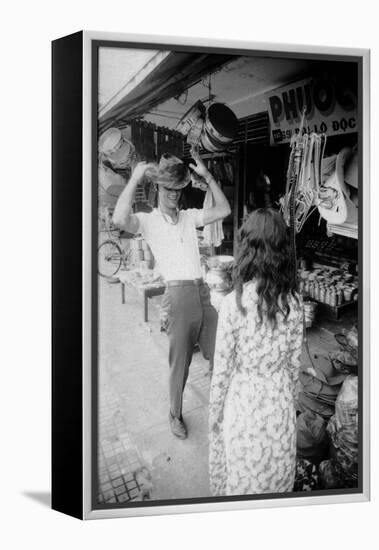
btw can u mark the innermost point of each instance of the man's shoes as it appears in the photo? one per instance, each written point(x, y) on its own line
point(178, 427)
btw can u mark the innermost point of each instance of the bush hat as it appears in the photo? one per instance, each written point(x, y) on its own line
point(171, 172)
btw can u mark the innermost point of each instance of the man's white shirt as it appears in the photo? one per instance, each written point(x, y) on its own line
point(174, 246)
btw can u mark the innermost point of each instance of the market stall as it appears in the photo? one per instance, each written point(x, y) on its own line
point(291, 144)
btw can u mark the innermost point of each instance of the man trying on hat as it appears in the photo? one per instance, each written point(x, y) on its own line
point(171, 235)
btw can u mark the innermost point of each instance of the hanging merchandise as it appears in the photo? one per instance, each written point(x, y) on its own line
point(303, 177)
point(335, 204)
point(143, 138)
point(229, 172)
point(191, 118)
point(116, 148)
point(303, 180)
point(214, 127)
point(213, 234)
point(194, 135)
point(351, 172)
point(191, 124)
point(220, 128)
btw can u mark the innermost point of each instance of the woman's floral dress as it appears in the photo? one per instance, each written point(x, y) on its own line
point(252, 421)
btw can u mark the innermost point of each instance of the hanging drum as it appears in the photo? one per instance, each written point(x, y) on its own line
point(211, 145)
point(220, 128)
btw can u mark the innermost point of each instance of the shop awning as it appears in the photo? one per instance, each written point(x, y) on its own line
point(176, 72)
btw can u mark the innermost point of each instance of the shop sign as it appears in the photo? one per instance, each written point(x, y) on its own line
point(331, 108)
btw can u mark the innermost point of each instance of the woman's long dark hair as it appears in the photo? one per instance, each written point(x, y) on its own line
point(263, 255)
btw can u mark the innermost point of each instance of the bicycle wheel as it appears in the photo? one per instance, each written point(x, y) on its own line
point(109, 259)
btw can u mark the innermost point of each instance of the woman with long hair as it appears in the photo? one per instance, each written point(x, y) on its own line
point(252, 419)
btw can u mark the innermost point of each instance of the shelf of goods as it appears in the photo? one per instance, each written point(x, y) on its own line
point(333, 290)
point(344, 229)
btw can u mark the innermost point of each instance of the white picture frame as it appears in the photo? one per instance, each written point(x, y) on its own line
point(78, 56)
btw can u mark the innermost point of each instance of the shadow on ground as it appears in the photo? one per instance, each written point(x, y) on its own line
point(41, 497)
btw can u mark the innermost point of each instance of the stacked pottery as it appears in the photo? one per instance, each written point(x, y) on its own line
point(219, 278)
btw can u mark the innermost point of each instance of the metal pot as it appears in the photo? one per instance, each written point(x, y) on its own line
point(210, 145)
point(221, 123)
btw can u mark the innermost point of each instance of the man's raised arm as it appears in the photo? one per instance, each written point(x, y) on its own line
point(221, 208)
point(123, 216)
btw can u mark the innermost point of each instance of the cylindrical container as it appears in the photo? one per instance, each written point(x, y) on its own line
point(311, 290)
point(327, 296)
point(340, 298)
point(347, 293)
point(322, 294)
point(316, 291)
point(333, 298)
point(306, 287)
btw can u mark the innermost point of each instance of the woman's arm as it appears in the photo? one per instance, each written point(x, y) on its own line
point(224, 365)
point(224, 362)
point(296, 344)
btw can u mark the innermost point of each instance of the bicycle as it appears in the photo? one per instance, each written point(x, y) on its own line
point(111, 253)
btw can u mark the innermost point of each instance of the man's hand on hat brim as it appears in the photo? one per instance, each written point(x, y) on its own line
point(139, 170)
point(199, 168)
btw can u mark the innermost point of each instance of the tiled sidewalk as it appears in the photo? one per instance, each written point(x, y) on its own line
point(118, 456)
point(135, 444)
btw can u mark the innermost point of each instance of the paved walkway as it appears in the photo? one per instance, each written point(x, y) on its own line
point(138, 456)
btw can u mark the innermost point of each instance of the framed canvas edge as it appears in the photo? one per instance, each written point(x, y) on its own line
point(224, 43)
point(364, 496)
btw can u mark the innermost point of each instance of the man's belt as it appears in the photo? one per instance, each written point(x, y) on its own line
point(186, 282)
